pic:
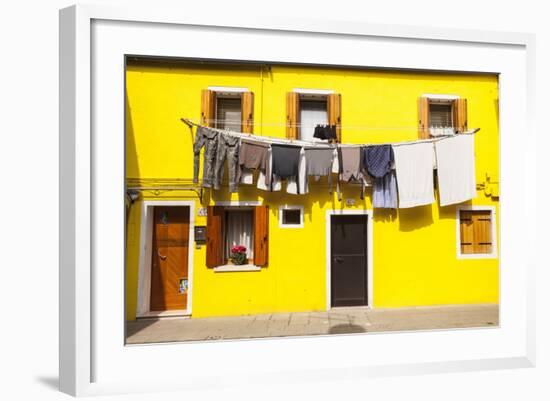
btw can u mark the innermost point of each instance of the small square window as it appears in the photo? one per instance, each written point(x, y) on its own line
point(291, 217)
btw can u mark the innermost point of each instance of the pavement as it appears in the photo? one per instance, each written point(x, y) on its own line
point(336, 321)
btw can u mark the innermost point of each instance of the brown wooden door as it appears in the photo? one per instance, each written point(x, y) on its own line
point(349, 260)
point(169, 267)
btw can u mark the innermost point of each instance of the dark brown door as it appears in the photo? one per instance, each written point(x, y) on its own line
point(169, 269)
point(349, 260)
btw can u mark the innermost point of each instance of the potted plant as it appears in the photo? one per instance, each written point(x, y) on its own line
point(238, 255)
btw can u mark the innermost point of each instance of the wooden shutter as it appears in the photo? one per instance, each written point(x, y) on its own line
point(292, 115)
point(334, 103)
point(247, 108)
point(475, 231)
point(214, 236)
point(208, 107)
point(460, 113)
point(466, 232)
point(261, 235)
point(423, 118)
point(482, 231)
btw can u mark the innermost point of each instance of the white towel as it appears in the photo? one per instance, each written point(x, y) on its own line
point(247, 176)
point(456, 176)
point(414, 173)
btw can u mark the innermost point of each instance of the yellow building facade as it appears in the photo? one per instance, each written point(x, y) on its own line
point(414, 256)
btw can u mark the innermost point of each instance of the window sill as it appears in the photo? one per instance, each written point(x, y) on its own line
point(237, 268)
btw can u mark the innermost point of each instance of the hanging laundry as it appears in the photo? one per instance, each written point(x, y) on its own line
point(286, 160)
point(414, 173)
point(327, 132)
point(456, 177)
point(299, 185)
point(253, 155)
point(384, 192)
point(377, 161)
point(275, 184)
point(350, 167)
point(208, 139)
point(319, 161)
point(228, 148)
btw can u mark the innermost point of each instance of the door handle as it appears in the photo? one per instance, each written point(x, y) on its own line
point(338, 259)
point(162, 257)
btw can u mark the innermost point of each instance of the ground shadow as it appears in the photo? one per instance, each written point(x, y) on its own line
point(52, 382)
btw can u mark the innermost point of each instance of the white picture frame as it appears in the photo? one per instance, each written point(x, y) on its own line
point(93, 357)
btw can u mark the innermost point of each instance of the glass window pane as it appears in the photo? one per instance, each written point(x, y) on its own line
point(228, 114)
point(239, 231)
point(291, 216)
point(312, 113)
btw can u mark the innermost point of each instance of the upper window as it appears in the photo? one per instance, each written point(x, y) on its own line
point(228, 112)
point(313, 112)
point(441, 115)
point(307, 108)
point(476, 228)
point(228, 108)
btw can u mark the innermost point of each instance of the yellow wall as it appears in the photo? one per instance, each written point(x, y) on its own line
point(414, 255)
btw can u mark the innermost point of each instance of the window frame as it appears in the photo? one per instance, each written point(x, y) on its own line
point(291, 207)
point(229, 209)
point(238, 268)
point(494, 239)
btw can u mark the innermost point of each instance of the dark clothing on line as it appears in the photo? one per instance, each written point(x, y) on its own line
point(206, 138)
point(377, 160)
point(285, 160)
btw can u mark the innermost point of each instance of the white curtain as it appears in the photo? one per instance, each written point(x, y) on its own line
point(312, 113)
point(239, 231)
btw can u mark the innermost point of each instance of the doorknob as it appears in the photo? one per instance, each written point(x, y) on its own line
point(162, 257)
point(338, 259)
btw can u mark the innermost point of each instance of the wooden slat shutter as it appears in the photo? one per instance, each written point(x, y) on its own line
point(247, 107)
point(423, 118)
point(482, 231)
point(214, 236)
point(208, 107)
point(334, 103)
point(466, 232)
point(261, 235)
point(292, 115)
point(460, 115)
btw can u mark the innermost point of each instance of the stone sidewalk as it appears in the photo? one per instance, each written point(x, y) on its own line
point(335, 321)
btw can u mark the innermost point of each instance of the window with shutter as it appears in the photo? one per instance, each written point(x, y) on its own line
point(305, 110)
point(231, 226)
point(441, 115)
point(228, 108)
point(476, 227)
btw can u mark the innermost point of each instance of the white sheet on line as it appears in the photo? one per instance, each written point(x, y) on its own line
point(456, 177)
point(414, 173)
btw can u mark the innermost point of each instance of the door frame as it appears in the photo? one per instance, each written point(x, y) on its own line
point(370, 252)
point(145, 255)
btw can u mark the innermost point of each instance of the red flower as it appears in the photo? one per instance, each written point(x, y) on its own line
point(238, 249)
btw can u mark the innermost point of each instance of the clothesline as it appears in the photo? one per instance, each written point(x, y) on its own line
point(314, 144)
point(301, 125)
